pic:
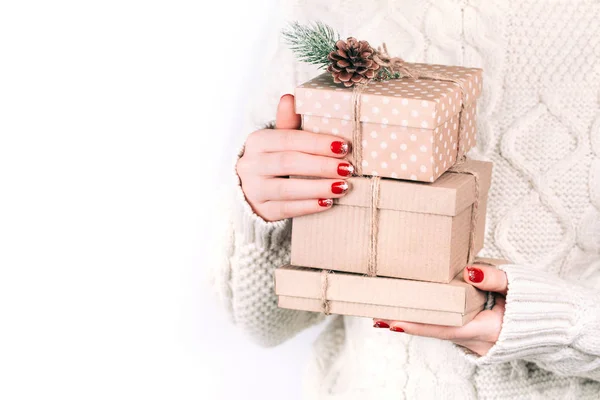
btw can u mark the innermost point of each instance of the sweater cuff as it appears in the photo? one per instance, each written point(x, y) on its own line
point(543, 315)
point(254, 229)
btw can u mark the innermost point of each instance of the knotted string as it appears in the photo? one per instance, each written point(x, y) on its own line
point(394, 64)
point(398, 65)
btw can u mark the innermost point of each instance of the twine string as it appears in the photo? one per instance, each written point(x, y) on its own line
point(356, 128)
point(394, 64)
point(373, 231)
point(373, 226)
point(462, 169)
point(398, 65)
point(324, 287)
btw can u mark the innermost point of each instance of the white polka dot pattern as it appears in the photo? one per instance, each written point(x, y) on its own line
point(409, 127)
point(399, 152)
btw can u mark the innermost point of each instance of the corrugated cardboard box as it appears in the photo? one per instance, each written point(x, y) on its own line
point(423, 233)
point(410, 127)
point(453, 304)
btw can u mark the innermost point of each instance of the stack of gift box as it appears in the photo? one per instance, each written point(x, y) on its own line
point(395, 246)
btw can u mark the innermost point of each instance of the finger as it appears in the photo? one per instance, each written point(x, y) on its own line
point(478, 328)
point(499, 305)
point(276, 140)
point(486, 278)
point(302, 189)
point(289, 209)
point(286, 113)
point(295, 163)
point(486, 325)
point(477, 346)
point(428, 330)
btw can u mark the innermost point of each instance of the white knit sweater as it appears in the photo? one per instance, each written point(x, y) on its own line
point(539, 122)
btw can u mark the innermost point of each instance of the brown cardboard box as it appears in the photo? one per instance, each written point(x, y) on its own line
point(423, 230)
point(453, 304)
point(409, 127)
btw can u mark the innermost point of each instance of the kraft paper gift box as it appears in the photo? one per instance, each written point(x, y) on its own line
point(453, 304)
point(409, 129)
point(423, 229)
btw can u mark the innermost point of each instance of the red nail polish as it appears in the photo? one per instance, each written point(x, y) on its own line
point(339, 147)
point(380, 324)
point(396, 329)
point(325, 202)
point(339, 187)
point(475, 275)
point(345, 169)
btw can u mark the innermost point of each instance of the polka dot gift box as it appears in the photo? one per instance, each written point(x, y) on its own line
point(409, 128)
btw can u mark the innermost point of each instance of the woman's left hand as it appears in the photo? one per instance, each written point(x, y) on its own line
point(482, 332)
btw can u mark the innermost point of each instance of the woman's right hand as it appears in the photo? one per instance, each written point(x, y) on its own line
point(271, 155)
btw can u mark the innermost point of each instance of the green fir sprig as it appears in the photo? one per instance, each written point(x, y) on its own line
point(311, 43)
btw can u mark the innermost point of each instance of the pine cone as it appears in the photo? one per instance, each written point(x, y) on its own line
point(352, 62)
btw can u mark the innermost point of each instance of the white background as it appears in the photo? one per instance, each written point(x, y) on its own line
point(116, 124)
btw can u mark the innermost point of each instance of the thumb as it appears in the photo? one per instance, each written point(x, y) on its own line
point(486, 278)
point(286, 114)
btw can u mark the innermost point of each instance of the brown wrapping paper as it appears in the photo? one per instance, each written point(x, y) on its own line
point(423, 229)
point(453, 304)
point(409, 127)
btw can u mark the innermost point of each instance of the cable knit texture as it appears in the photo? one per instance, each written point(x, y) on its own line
point(539, 122)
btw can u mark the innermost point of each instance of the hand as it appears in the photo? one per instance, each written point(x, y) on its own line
point(482, 332)
point(271, 155)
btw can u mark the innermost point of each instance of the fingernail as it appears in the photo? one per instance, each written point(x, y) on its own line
point(339, 147)
point(345, 169)
point(325, 202)
point(339, 187)
point(475, 275)
point(396, 329)
point(380, 324)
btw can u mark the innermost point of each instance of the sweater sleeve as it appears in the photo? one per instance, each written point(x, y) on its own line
point(244, 276)
point(245, 280)
point(549, 321)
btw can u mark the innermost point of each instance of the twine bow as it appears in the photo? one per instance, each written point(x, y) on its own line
point(394, 64)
